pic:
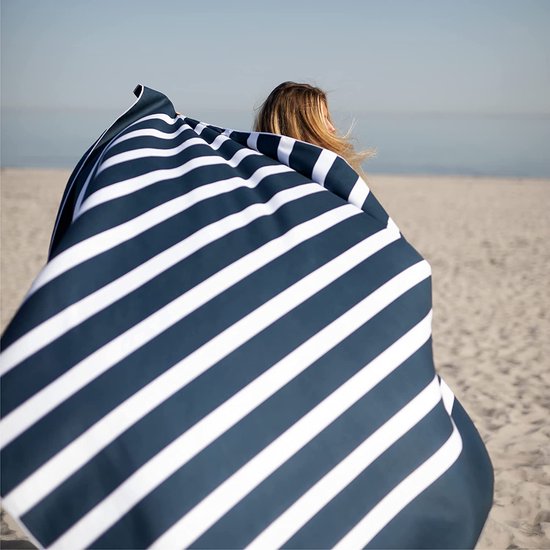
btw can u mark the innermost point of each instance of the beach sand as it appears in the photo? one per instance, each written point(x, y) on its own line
point(487, 242)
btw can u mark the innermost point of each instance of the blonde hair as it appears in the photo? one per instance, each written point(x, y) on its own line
point(295, 110)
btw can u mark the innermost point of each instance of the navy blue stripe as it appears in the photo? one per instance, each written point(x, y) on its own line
point(374, 208)
point(303, 157)
point(240, 137)
point(340, 178)
point(268, 145)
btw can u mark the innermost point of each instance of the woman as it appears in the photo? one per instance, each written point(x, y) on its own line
point(300, 111)
point(222, 353)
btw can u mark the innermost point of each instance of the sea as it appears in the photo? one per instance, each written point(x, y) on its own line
point(505, 145)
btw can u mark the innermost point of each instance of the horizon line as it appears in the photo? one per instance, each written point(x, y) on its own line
point(432, 112)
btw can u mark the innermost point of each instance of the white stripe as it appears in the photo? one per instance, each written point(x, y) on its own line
point(57, 325)
point(57, 469)
point(68, 192)
point(81, 374)
point(212, 426)
point(194, 523)
point(284, 149)
point(148, 132)
point(447, 396)
point(199, 128)
point(131, 185)
point(337, 479)
point(108, 239)
point(252, 141)
point(392, 225)
point(359, 193)
point(155, 116)
point(323, 165)
point(418, 481)
point(84, 188)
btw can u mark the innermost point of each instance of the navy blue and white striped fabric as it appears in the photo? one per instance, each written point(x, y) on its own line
point(230, 346)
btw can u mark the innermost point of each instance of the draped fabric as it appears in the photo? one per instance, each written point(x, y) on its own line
point(230, 346)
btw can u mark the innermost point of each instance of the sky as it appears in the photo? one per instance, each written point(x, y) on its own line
point(459, 56)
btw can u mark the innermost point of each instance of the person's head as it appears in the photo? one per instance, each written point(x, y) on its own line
point(301, 111)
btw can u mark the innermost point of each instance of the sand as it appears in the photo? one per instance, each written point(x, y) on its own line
point(487, 242)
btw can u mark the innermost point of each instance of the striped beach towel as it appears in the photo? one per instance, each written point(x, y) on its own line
point(230, 347)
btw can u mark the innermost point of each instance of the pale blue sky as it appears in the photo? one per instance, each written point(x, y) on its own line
point(489, 56)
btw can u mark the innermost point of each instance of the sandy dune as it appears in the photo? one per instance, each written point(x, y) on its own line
point(487, 241)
